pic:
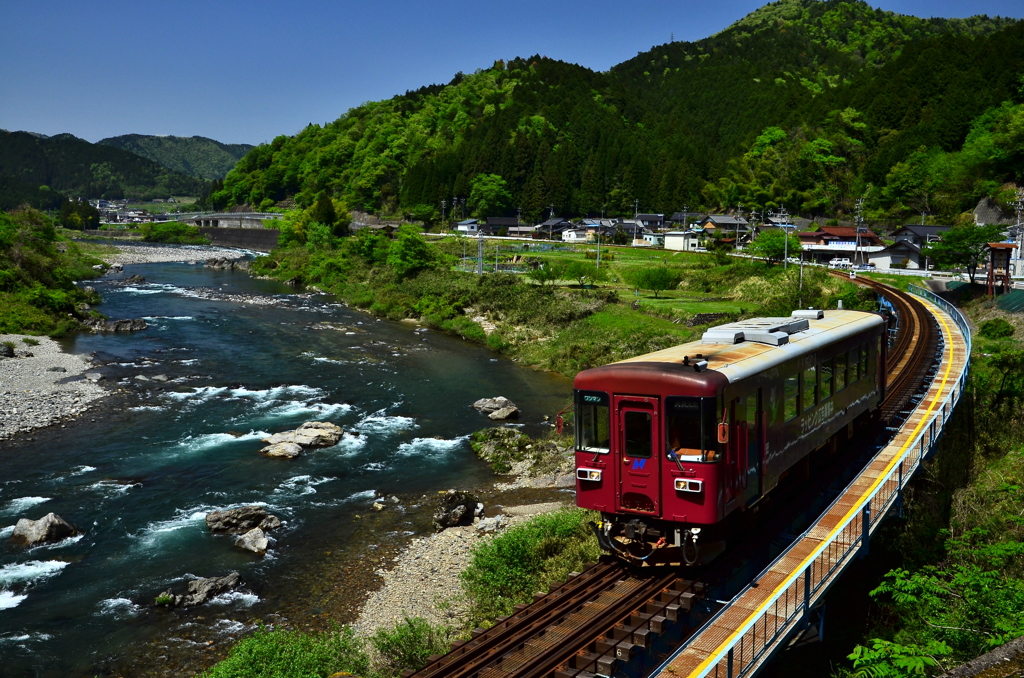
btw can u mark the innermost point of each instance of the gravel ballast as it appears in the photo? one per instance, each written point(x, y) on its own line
point(41, 386)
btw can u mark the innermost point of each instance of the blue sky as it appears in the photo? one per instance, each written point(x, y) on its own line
point(245, 72)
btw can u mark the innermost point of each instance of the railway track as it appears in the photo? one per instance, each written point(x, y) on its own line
point(600, 619)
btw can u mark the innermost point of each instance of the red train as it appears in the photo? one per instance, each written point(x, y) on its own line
point(670, 444)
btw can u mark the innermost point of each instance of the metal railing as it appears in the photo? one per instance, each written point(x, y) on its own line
point(788, 607)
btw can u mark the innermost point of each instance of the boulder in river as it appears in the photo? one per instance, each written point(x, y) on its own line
point(200, 591)
point(488, 405)
point(282, 450)
point(504, 413)
point(455, 507)
point(125, 325)
point(310, 434)
point(254, 540)
point(241, 519)
point(50, 527)
point(6, 351)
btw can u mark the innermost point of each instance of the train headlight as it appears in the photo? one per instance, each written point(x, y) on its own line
point(689, 485)
point(588, 473)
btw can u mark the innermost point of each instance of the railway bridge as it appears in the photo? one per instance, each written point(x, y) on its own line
point(612, 621)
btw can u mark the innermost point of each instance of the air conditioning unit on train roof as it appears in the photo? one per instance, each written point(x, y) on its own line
point(771, 331)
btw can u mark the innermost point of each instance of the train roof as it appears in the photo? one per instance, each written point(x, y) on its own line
point(739, 350)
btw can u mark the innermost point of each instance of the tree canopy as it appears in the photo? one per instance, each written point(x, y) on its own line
point(964, 246)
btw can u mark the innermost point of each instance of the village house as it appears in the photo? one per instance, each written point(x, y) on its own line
point(830, 242)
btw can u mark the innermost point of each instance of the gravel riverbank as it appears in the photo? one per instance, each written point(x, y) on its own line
point(423, 580)
point(41, 385)
point(156, 254)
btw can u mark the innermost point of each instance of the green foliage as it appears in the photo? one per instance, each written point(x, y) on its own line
point(409, 253)
point(195, 156)
point(654, 278)
point(37, 290)
point(322, 211)
point(772, 245)
point(890, 660)
point(173, 232)
point(29, 341)
point(508, 569)
point(164, 599)
point(965, 245)
point(489, 195)
point(408, 645)
point(319, 236)
point(547, 272)
point(75, 167)
point(78, 215)
point(996, 328)
point(292, 654)
point(584, 272)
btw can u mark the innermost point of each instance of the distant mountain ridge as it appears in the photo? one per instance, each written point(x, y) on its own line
point(195, 156)
point(792, 105)
point(76, 168)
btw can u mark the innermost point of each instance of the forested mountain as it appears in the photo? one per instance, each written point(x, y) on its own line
point(195, 156)
point(77, 168)
point(804, 103)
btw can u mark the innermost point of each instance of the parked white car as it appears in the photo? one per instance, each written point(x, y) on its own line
point(838, 263)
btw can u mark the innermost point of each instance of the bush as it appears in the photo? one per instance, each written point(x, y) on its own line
point(508, 569)
point(996, 328)
point(291, 654)
point(173, 232)
point(408, 644)
point(30, 341)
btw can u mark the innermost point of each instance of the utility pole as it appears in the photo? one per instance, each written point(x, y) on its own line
point(1017, 234)
point(859, 224)
point(636, 209)
point(479, 252)
point(599, 246)
point(444, 204)
point(686, 215)
point(551, 226)
point(784, 218)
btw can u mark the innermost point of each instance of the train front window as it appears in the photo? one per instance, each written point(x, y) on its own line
point(593, 422)
point(637, 429)
point(690, 428)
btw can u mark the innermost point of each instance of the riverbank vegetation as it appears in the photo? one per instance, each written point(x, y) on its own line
point(958, 591)
point(556, 323)
point(38, 269)
point(174, 232)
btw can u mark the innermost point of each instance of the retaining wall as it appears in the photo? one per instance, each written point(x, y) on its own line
point(261, 239)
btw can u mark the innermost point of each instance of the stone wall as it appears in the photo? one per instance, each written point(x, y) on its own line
point(260, 239)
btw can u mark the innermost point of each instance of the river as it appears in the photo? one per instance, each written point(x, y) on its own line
point(244, 358)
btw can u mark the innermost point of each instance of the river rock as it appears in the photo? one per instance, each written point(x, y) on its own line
point(160, 378)
point(50, 527)
point(283, 450)
point(6, 351)
point(133, 280)
point(94, 376)
point(491, 524)
point(241, 519)
point(504, 413)
point(456, 508)
point(125, 325)
point(310, 434)
point(488, 405)
point(201, 590)
point(254, 540)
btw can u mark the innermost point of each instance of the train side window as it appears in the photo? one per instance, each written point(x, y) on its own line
point(637, 430)
point(826, 379)
point(792, 390)
point(593, 422)
point(810, 387)
point(840, 372)
point(864, 360)
point(854, 363)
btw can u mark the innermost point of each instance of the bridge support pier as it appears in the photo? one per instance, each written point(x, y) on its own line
point(865, 535)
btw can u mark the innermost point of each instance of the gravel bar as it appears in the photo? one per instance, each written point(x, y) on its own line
point(157, 254)
point(42, 385)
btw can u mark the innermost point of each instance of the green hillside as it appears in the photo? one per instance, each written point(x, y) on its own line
point(77, 168)
point(195, 156)
point(804, 103)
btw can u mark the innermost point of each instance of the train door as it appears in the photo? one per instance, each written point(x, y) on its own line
point(639, 442)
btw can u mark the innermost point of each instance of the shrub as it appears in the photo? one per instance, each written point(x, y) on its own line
point(408, 644)
point(30, 341)
point(508, 569)
point(291, 654)
point(996, 328)
point(173, 232)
